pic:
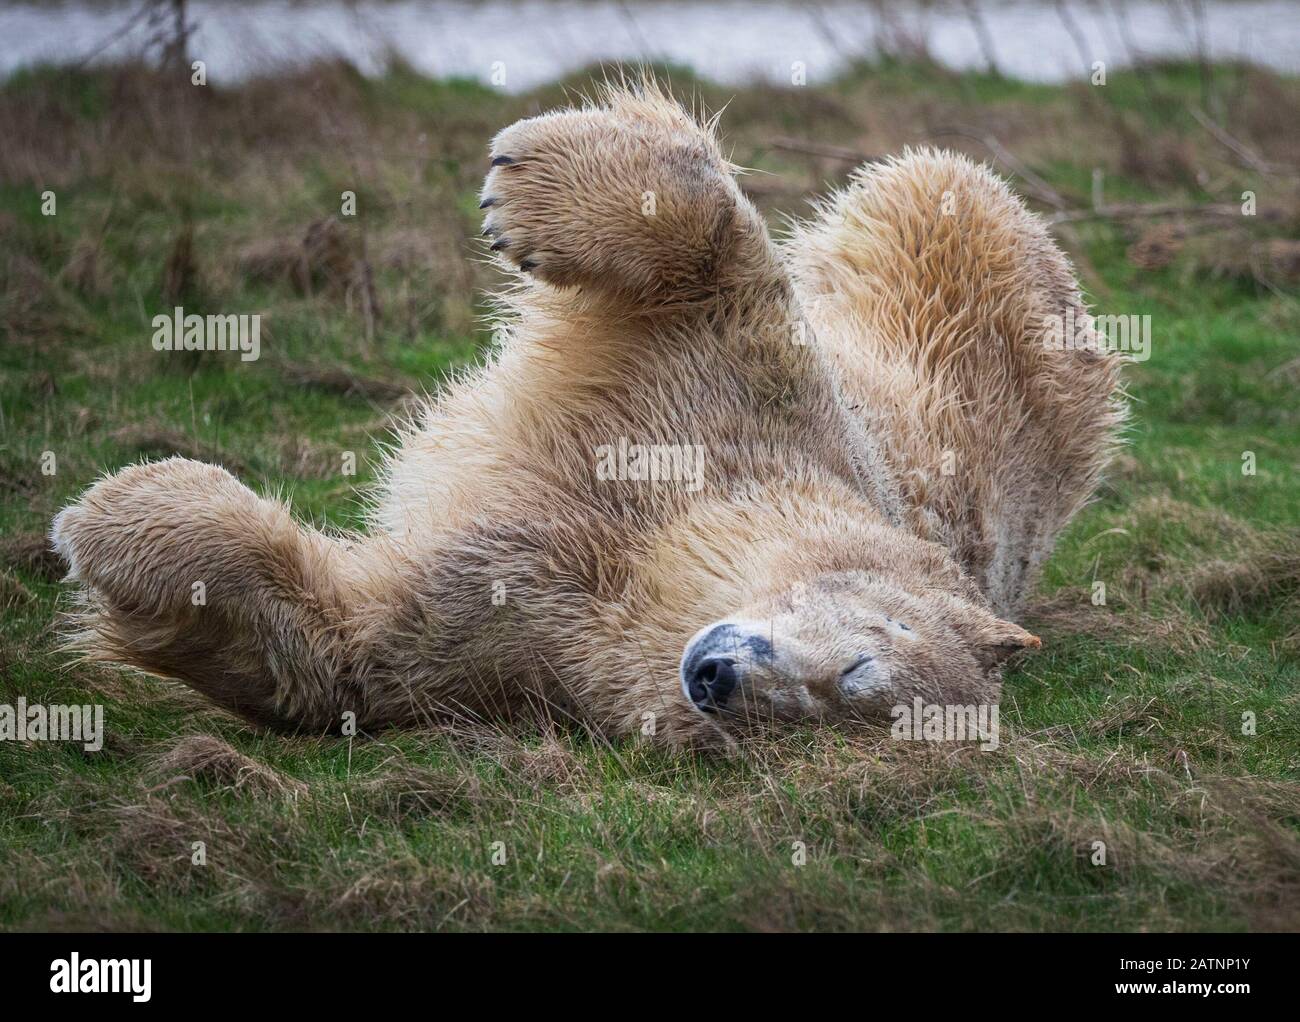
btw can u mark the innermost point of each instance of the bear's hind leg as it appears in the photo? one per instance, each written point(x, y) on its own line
point(937, 293)
point(188, 574)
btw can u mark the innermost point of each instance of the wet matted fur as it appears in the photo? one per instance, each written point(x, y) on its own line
point(890, 445)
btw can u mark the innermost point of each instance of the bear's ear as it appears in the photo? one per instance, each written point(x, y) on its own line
point(997, 640)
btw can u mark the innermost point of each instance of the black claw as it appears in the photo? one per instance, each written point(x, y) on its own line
point(528, 264)
point(490, 231)
point(500, 243)
point(487, 202)
point(502, 161)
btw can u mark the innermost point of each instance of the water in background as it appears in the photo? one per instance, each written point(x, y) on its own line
point(517, 44)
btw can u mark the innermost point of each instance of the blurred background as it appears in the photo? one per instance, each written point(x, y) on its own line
point(729, 41)
point(159, 153)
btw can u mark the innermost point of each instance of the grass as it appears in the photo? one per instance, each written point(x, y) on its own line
point(1127, 729)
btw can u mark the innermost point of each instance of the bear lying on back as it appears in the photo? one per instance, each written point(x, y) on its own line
point(702, 480)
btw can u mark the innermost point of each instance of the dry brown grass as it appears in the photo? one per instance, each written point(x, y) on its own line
point(401, 790)
point(844, 797)
point(210, 760)
point(31, 552)
point(165, 144)
point(13, 592)
point(338, 380)
point(152, 441)
point(1070, 612)
point(1264, 578)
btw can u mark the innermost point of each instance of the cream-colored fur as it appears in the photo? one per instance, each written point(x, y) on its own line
point(889, 450)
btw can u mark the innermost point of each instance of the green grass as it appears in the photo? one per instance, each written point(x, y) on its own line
point(1126, 729)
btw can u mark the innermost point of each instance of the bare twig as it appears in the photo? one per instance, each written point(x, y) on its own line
point(834, 152)
point(127, 26)
point(1253, 161)
point(984, 36)
point(1209, 96)
point(832, 38)
point(1036, 186)
point(1075, 33)
point(1140, 211)
point(1136, 60)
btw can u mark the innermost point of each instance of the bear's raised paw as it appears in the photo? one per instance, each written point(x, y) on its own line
point(632, 203)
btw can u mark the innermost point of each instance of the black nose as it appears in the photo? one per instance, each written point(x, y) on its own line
point(710, 680)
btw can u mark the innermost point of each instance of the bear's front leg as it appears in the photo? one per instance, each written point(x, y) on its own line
point(631, 200)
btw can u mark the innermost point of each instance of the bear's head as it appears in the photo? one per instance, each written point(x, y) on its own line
point(848, 644)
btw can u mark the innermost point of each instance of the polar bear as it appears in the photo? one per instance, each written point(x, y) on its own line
point(703, 480)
